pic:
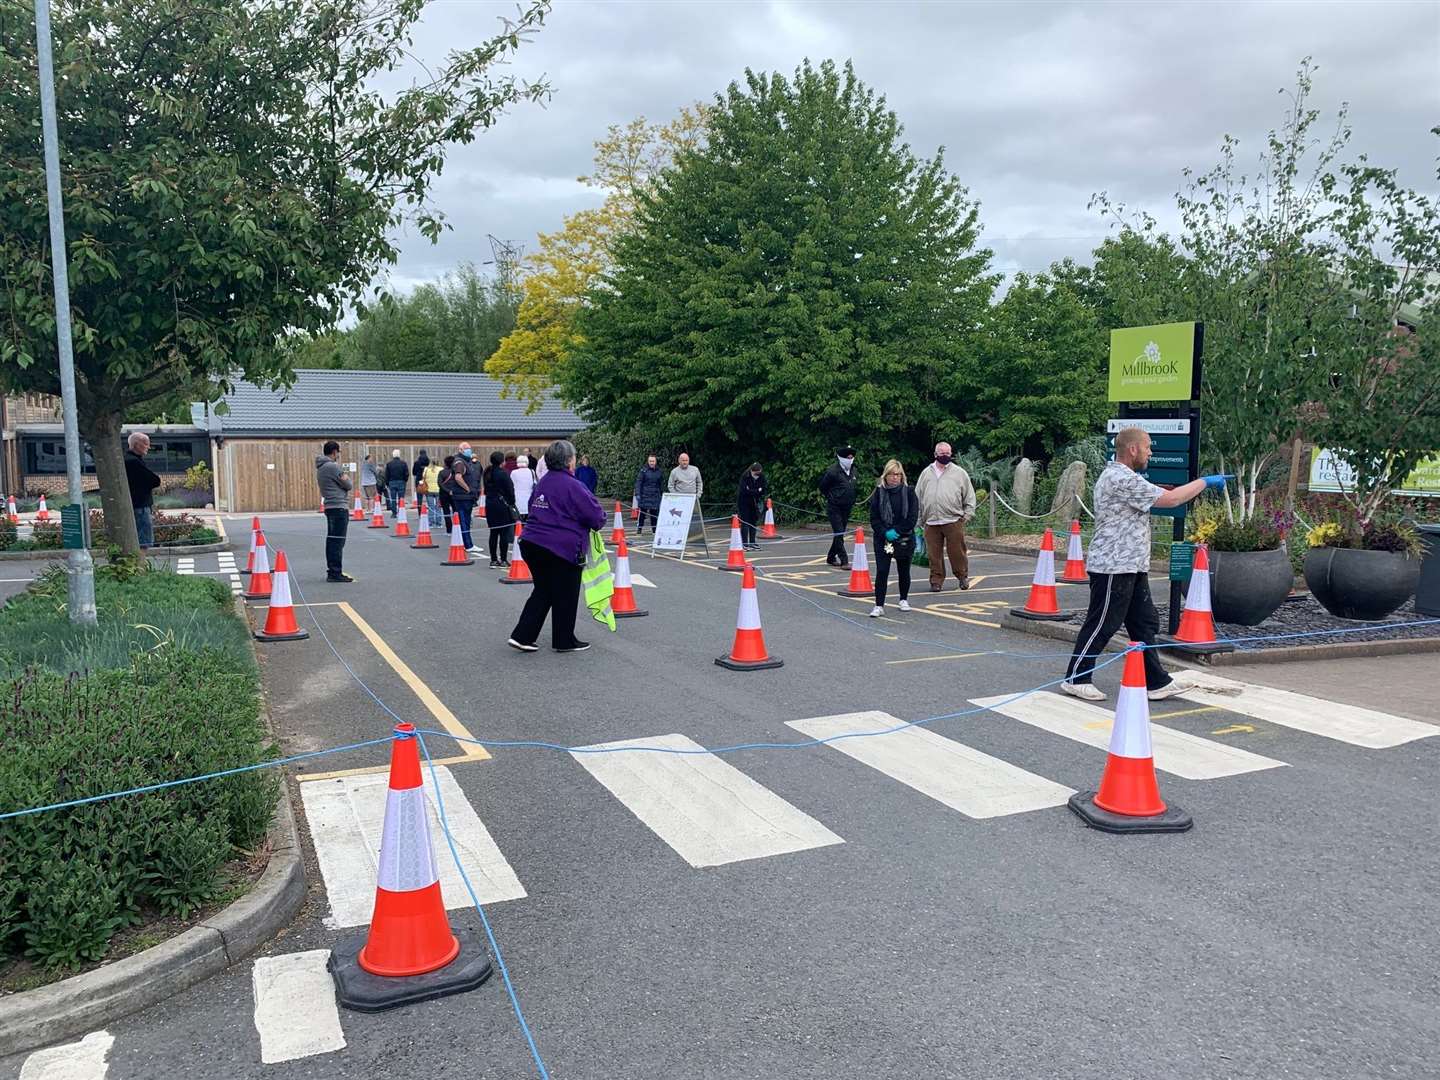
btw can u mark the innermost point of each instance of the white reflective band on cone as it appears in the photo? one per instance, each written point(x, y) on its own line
point(262, 560)
point(1045, 568)
point(1074, 554)
point(406, 861)
point(280, 590)
point(457, 538)
point(749, 618)
point(735, 539)
point(1130, 736)
point(1198, 598)
point(862, 559)
point(622, 572)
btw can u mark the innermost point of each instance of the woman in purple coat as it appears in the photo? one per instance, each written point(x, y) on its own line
point(563, 511)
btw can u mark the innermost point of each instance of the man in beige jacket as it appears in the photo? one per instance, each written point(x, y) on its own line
point(947, 502)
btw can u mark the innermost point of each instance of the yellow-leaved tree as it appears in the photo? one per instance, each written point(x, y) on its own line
point(569, 261)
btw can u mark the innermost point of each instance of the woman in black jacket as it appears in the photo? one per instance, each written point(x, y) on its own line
point(499, 509)
point(750, 504)
point(893, 510)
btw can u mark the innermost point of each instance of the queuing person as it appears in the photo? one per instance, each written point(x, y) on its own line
point(523, 478)
point(447, 508)
point(563, 512)
point(947, 502)
point(417, 476)
point(433, 494)
point(335, 487)
point(464, 488)
point(649, 484)
point(586, 474)
point(510, 460)
point(368, 481)
point(750, 504)
point(837, 486)
point(397, 479)
point(499, 509)
point(894, 509)
point(540, 467)
point(143, 482)
point(1119, 566)
point(686, 479)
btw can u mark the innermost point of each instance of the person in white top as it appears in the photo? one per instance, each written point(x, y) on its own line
point(524, 480)
point(540, 468)
point(947, 502)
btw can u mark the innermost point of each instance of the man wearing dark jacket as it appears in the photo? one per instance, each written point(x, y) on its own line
point(837, 486)
point(649, 484)
point(397, 478)
point(335, 488)
point(142, 483)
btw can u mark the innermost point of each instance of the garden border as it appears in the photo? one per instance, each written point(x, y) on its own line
point(61, 554)
point(81, 1003)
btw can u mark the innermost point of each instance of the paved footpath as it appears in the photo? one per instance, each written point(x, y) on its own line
point(913, 904)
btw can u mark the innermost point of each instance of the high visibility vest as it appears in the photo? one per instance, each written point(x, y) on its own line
point(598, 581)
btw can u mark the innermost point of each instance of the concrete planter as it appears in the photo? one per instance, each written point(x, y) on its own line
point(1246, 587)
point(1364, 585)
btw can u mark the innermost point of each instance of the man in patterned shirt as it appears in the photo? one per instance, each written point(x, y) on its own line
point(1119, 566)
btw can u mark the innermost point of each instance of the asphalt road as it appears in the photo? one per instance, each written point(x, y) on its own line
point(1290, 934)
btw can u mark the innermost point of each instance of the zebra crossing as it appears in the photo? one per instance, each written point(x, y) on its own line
point(224, 566)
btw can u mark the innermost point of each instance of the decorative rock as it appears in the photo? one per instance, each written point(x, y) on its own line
point(1066, 504)
point(1022, 488)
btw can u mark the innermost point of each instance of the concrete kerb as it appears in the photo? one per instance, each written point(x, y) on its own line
point(82, 1003)
point(1340, 650)
point(60, 554)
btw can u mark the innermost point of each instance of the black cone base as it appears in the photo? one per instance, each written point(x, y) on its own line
point(1074, 580)
point(359, 990)
point(630, 614)
point(255, 596)
point(749, 665)
point(299, 635)
point(1173, 819)
point(855, 592)
point(517, 581)
point(432, 544)
point(1194, 648)
point(1021, 613)
point(735, 569)
point(467, 562)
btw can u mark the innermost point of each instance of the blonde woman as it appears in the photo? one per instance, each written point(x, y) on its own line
point(893, 511)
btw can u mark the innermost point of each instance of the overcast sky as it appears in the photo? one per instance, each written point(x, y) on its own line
point(1037, 104)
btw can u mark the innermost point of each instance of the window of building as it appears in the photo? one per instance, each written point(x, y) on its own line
point(45, 455)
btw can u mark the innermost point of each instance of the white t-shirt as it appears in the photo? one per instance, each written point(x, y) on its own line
point(524, 481)
point(1121, 544)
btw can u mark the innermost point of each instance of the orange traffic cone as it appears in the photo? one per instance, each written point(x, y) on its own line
point(1075, 558)
point(458, 555)
point(402, 522)
point(767, 530)
point(280, 624)
point(860, 583)
point(358, 514)
point(43, 514)
point(1129, 796)
point(1196, 633)
point(735, 560)
point(11, 512)
point(1042, 604)
point(519, 572)
point(622, 603)
point(260, 582)
point(617, 534)
point(748, 653)
point(634, 511)
point(423, 539)
point(409, 954)
point(254, 532)
point(480, 504)
point(377, 515)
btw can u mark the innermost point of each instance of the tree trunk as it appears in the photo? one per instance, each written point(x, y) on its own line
point(103, 434)
point(1293, 483)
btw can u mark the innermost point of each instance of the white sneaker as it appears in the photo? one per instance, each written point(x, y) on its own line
point(1083, 690)
point(475, 550)
point(904, 605)
point(876, 612)
point(1176, 687)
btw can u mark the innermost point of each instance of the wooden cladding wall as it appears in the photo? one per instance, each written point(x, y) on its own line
point(254, 476)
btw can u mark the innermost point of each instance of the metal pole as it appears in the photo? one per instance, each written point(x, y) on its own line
point(82, 568)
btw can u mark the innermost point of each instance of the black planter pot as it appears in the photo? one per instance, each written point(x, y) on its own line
point(1364, 585)
point(1246, 587)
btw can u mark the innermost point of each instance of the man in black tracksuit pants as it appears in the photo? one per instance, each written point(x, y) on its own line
point(837, 486)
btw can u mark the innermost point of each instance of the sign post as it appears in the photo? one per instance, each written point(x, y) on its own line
point(672, 530)
point(1162, 363)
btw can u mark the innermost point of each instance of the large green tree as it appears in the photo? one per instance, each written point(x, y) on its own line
point(230, 174)
point(800, 280)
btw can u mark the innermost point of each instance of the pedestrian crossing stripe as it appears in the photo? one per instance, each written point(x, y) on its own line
point(948, 771)
point(1176, 752)
point(83, 1060)
point(295, 1011)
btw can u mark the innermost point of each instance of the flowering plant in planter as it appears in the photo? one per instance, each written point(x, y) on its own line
point(1390, 536)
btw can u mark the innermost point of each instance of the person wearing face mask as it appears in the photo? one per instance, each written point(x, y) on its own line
point(464, 488)
point(837, 486)
point(947, 502)
point(750, 504)
point(893, 512)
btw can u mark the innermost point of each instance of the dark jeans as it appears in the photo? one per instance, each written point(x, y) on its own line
point(464, 507)
point(882, 572)
point(651, 512)
point(1116, 599)
point(337, 524)
point(749, 524)
point(556, 593)
point(500, 537)
point(839, 527)
point(394, 492)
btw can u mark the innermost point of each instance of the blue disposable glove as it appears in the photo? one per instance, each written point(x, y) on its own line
point(1217, 480)
point(891, 535)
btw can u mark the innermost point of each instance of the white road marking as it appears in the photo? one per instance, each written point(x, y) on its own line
point(83, 1060)
point(1328, 719)
point(710, 812)
point(964, 779)
point(641, 579)
point(347, 815)
point(295, 1011)
point(1176, 752)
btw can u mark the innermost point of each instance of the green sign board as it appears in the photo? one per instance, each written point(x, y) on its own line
point(1182, 561)
point(1153, 363)
point(72, 527)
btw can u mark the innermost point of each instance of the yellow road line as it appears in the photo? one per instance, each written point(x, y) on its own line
point(370, 770)
point(947, 656)
point(427, 696)
point(1184, 712)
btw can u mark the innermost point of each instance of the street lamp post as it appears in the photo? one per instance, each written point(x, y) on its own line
point(82, 568)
